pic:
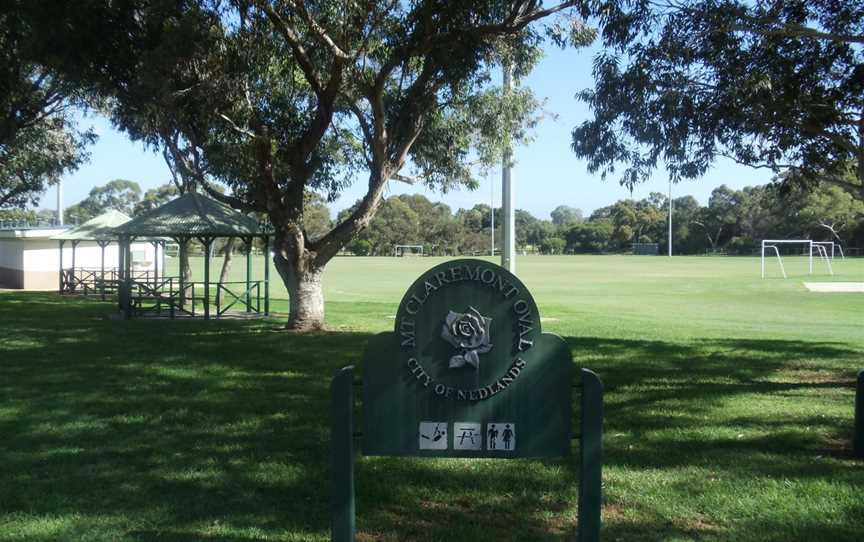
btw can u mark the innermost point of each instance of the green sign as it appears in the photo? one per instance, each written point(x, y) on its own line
point(467, 371)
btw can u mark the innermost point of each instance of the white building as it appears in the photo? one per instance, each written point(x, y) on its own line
point(30, 257)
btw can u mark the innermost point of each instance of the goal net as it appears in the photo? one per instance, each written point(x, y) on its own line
point(645, 249)
point(401, 251)
point(795, 250)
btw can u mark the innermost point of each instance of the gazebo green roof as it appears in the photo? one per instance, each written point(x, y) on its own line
point(191, 215)
point(100, 228)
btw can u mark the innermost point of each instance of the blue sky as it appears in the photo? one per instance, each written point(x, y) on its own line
point(547, 173)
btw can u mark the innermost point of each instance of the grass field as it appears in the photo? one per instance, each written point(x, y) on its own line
point(729, 414)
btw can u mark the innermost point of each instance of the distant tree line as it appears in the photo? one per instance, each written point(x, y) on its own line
point(733, 221)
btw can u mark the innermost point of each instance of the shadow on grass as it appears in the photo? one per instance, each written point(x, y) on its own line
point(159, 430)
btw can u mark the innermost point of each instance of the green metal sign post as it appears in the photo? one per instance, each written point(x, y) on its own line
point(467, 373)
point(858, 439)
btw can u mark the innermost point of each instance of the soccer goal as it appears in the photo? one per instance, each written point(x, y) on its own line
point(645, 249)
point(832, 247)
point(401, 251)
point(772, 246)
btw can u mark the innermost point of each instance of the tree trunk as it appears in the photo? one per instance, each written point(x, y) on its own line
point(226, 267)
point(860, 169)
point(305, 296)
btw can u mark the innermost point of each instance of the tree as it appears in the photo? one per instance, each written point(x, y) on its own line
point(316, 216)
point(831, 210)
point(39, 140)
point(526, 228)
point(120, 194)
point(283, 98)
point(541, 233)
point(719, 218)
point(686, 236)
point(564, 215)
point(553, 245)
point(591, 236)
point(17, 216)
point(156, 197)
point(476, 223)
point(636, 222)
point(772, 84)
point(395, 224)
point(438, 230)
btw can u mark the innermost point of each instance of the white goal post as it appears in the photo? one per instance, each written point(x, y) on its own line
point(819, 247)
point(405, 250)
point(834, 247)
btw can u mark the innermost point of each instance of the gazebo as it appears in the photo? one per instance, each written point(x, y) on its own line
point(88, 278)
point(191, 216)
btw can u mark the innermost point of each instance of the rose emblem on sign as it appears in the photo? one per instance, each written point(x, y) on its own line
point(469, 334)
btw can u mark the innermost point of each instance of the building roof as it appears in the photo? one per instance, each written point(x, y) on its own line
point(192, 215)
point(100, 228)
point(43, 233)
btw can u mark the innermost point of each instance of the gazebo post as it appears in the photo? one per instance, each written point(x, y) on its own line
point(102, 270)
point(248, 273)
point(207, 242)
point(266, 275)
point(128, 276)
point(162, 244)
point(155, 262)
point(62, 242)
point(181, 253)
point(121, 281)
point(74, 244)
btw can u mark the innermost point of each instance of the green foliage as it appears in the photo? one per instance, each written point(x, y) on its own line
point(592, 236)
point(120, 194)
point(39, 138)
point(553, 245)
point(396, 223)
point(832, 208)
point(564, 215)
point(315, 93)
point(733, 220)
point(279, 99)
point(27, 216)
point(773, 84)
point(156, 197)
point(316, 216)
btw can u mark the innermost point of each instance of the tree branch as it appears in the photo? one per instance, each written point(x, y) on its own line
point(323, 117)
point(290, 35)
point(798, 31)
point(238, 129)
point(754, 165)
point(318, 30)
point(328, 245)
point(231, 201)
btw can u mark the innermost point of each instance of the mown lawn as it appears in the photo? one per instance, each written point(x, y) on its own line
point(729, 415)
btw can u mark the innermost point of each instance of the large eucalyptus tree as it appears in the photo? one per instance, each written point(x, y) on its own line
point(279, 98)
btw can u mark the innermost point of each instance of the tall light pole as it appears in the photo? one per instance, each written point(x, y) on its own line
point(508, 251)
point(59, 203)
point(670, 217)
point(492, 215)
